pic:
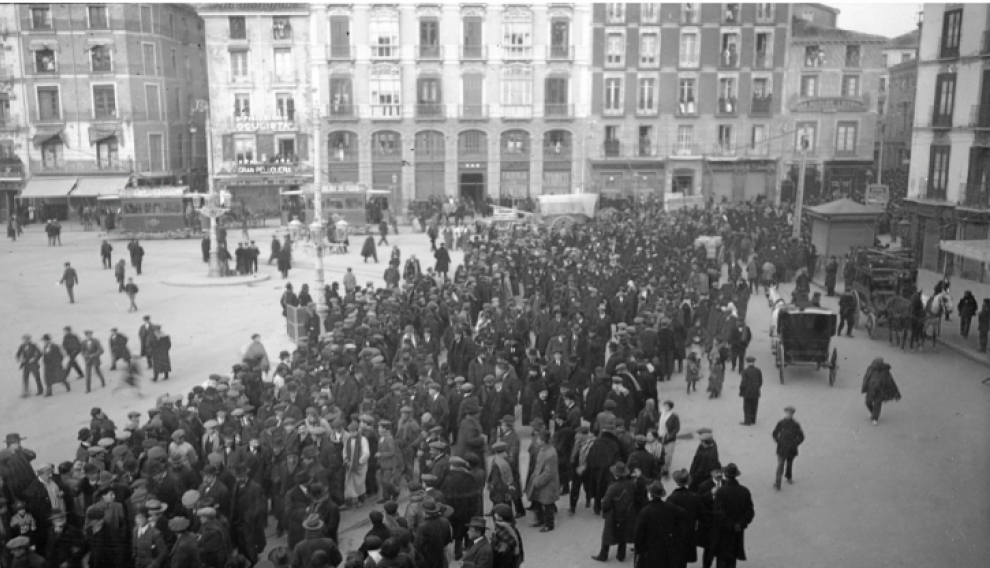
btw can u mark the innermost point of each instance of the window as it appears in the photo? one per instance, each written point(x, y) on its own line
point(689, 13)
point(244, 148)
point(153, 97)
point(242, 105)
point(649, 12)
point(239, 66)
point(286, 150)
point(48, 104)
point(649, 48)
point(473, 47)
point(615, 49)
point(907, 56)
point(343, 146)
point(764, 12)
point(945, 94)
point(883, 85)
point(612, 144)
point(646, 141)
point(515, 143)
point(560, 39)
point(517, 97)
point(951, 28)
point(809, 86)
point(98, 18)
point(886, 61)
point(730, 14)
point(555, 96)
point(689, 49)
point(385, 92)
point(762, 95)
point(852, 56)
point(41, 18)
point(726, 146)
point(340, 97)
point(472, 87)
point(107, 153)
point(729, 56)
point(188, 66)
point(340, 37)
point(805, 137)
point(4, 114)
point(764, 50)
point(170, 30)
point(727, 95)
point(104, 101)
point(384, 39)
point(845, 137)
point(685, 139)
point(146, 23)
point(281, 28)
point(429, 97)
point(938, 170)
point(284, 73)
point(517, 37)
point(285, 106)
point(613, 95)
point(386, 145)
point(686, 97)
point(850, 85)
point(238, 27)
point(44, 61)
point(758, 139)
point(814, 56)
point(150, 61)
point(646, 96)
point(429, 38)
point(615, 12)
point(53, 153)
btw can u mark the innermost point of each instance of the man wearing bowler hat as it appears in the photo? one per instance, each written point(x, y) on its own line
point(479, 554)
point(733, 506)
point(655, 531)
point(749, 390)
point(315, 540)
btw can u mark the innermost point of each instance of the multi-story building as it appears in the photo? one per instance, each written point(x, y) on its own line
point(686, 99)
point(832, 77)
point(471, 100)
point(898, 114)
point(13, 126)
point(101, 98)
point(949, 179)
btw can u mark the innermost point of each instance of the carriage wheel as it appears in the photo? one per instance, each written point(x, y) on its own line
point(833, 368)
point(563, 222)
point(871, 324)
point(780, 361)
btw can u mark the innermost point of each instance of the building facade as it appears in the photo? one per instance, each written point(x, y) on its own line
point(686, 99)
point(897, 121)
point(949, 177)
point(471, 100)
point(99, 96)
point(833, 76)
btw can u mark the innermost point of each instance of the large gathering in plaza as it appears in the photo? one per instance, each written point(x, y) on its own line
point(377, 335)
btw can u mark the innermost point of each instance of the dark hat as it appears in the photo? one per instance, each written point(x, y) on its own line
point(478, 523)
point(610, 404)
point(750, 359)
point(789, 409)
point(731, 471)
point(509, 419)
point(470, 406)
point(499, 447)
point(681, 477)
point(14, 438)
point(619, 470)
point(656, 489)
point(503, 512)
point(84, 434)
point(433, 509)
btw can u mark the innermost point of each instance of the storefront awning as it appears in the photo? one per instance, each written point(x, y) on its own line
point(98, 133)
point(973, 250)
point(99, 186)
point(45, 134)
point(47, 187)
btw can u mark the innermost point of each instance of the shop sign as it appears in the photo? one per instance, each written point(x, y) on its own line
point(748, 166)
point(830, 104)
point(152, 193)
point(263, 124)
point(265, 169)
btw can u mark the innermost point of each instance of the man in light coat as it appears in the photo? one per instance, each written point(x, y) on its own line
point(544, 484)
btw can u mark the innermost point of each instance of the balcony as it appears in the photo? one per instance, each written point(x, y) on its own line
point(612, 149)
point(761, 106)
point(974, 195)
point(845, 153)
point(979, 117)
point(728, 60)
point(561, 53)
point(281, 30)
point(687, 108)
point(430, 111)
point(336, 52)
point(685, 149)
point(474, 52)
point(723, 150)
point(647, 149)
point(429, 52)
point(985, 43)
point(284, 77)
point(9, 121)
point(689, 15)
point(517, 52)
point(472, 112)
point(384, 52)
point(762, 60)
point(935, 193)
point(342, 112)
point(79, 166)
point(939, 119)
point(517, 112)
point(557, 151)
point(342, 154)
point(646, 110)
point(388, 155)
point(386, 112)
point(946, 52)
point(11, 168)
point(727, 106)
point(558, 111)
point(730, 17)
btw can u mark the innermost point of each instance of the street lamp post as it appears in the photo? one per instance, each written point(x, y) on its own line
point(799, 198)
point(317, 227)
point(213, 208)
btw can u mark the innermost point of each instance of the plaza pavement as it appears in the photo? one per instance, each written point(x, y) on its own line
point(910, 492)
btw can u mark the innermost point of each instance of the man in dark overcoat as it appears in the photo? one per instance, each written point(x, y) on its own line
point(733, 506)
point(788, 435)
point(749, 390)
point(656, 532)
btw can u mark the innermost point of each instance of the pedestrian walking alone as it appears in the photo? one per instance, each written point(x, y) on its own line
point(69, 279)
point(967, 309)
point(879, 387)
point(119, 273)
point(137, 255)
point(369, 249)
point(788, 435)
point(749, 390)
point(733, 506)
point(91, 352)
point(72, 348)
point(276, 249)
point(383, 231)
point(831, 272)
point(443, 260)
point(106, 249)
point(983, 325)
point(132, 290)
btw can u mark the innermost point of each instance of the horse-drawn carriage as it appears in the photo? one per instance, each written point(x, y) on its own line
point(882, 283)
point(802, 336)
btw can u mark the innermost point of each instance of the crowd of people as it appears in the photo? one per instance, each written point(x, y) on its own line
point(424, 390)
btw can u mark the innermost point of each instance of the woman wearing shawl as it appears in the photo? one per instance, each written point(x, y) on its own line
point(879, 387)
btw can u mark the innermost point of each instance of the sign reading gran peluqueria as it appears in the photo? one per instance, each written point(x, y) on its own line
point(265, 169)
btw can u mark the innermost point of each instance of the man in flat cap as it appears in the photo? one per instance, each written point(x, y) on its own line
point(788, 435)
point(749, 390)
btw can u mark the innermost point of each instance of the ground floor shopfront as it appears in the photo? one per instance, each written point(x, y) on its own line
point(931, 221)
point(256, 191)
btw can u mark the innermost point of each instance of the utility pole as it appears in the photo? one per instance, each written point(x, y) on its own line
point(799, 199)
point(883, 130)
point(213, 208)
point(317, 227)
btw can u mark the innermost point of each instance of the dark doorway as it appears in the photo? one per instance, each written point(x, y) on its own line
point(473, 187)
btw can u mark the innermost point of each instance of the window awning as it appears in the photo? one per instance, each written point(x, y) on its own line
point(44, 187)
point(45, 134)
point(99, 186)
point(973, 250)
point(98, 133)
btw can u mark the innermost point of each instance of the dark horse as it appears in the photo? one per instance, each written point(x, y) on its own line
point(899, 320)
